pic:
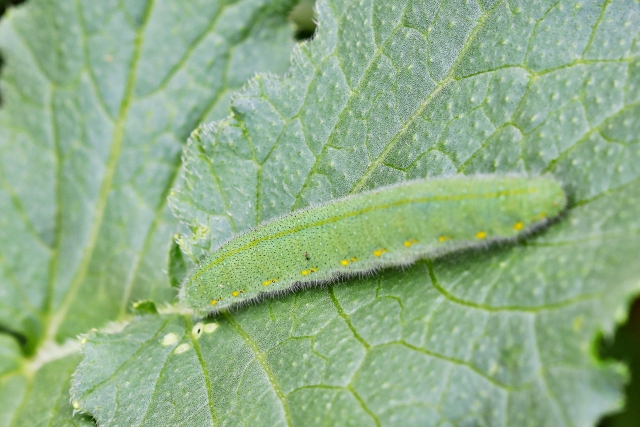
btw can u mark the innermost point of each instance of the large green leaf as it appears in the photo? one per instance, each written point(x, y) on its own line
point(37, 393)
point(388, 91)
point(98, 98)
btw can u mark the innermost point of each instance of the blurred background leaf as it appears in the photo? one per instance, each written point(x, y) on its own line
point(98, 100)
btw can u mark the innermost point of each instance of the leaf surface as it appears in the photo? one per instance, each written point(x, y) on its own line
point(390, 91)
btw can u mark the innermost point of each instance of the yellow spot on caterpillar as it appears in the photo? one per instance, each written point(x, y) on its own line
point(266, 283)
point(443, 238)
point(305, 272)
point(344, 262)
point(481, 234)
point(543, 215)
point(577, 323)
point(213, 302)
point(518, 225)
point(379, 252)
point(313, 269)
point(354, 259)
point(408, 243)
point(76, 404)
point(235, 293)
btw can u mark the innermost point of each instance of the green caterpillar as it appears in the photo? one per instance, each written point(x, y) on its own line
point(394, 225)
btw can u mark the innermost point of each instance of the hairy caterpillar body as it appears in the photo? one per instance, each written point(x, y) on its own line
point(394, 225)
